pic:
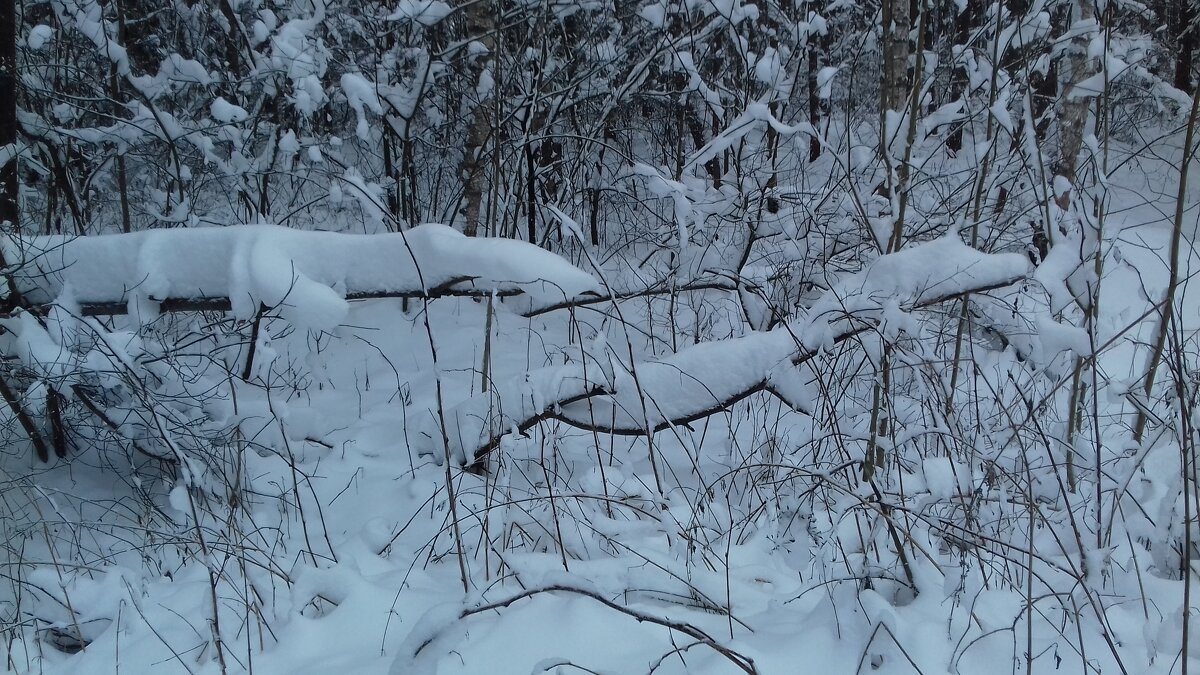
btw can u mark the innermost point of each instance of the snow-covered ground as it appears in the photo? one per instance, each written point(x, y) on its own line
point(722, 546)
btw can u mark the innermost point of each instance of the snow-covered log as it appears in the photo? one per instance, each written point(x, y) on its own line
point(606, 395)
point(308, 276)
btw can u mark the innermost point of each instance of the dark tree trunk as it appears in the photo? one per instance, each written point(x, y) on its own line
point(814, 99)
point(8, 200)
point(963, 24)
point(531, 192)
point(8, 108)
point(1185, 37)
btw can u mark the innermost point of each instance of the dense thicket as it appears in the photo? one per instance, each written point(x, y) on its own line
point(137, 115)
point(896, 217)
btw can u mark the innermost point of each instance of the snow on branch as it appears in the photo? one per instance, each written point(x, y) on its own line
point(308, 276)
point(606, 395)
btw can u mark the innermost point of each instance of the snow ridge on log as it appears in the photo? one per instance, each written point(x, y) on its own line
point(308, 275)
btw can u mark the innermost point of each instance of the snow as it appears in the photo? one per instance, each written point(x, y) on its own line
point(999, 112)
point(938, 269)
point(360, 94)
point(307, 274)
point(654, 13)
point(424, 12)
point(305, 60)
point(939, 477)
point(756, 116)
point(38, 36)
point(675, 435)
point(1062, 186)
point(33, 345)
point(825, 81)
point(1056, 337)
point(226, 112)
point(91, 25)
point(288, 143)
point(768, 68)
point(9, 151)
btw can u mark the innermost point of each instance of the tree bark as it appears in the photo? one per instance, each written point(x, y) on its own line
point(8, 110)
point(816, 106)
point(1184, 36)
point(897, 23)
point(481, 26)
point(9, 186)
point(1074, 110)
point(115, 83)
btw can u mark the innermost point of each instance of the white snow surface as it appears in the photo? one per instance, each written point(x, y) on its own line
point(424, 12)
point(307, 274)
point(38, 36)
point(383, 582)
point(224, 111)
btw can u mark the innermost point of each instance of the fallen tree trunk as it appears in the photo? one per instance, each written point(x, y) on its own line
point(194, 270)
point(308, 276)
point(604, 394)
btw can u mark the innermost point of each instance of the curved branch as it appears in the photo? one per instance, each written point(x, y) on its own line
point(702, 380)
point(742, 662)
